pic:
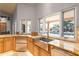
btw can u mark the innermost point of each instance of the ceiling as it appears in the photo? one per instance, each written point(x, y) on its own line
point(7, 7)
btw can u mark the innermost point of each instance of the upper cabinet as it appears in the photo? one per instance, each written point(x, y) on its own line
point(5, 25)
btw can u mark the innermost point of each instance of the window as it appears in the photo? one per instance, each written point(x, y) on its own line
point(51, 25)
point(54, 25)
point(69, 24)
point(28, 27)
point(43, 27)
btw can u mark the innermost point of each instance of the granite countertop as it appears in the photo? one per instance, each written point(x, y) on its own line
point(3, 36)
point(69, 46)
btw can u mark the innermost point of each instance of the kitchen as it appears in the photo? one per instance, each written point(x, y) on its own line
point(39, 29)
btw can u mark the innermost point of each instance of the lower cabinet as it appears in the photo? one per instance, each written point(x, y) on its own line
point(40, 52)
point(44, 52)
point(36, 50)
point(59, 52)
point(14, 44)
point(1, 45)
point(8, 44)
point(30, 45)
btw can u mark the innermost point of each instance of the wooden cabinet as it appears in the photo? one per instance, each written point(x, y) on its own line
point(41, 49)
point(30, 47)
point(21, 44)
point(13, 43)
point(44, 52)
point(36, 50)
point(60, 52)
point(40, 52)
point(2, 27)
point(30, 44)
point(8, 44)
point(1, 45)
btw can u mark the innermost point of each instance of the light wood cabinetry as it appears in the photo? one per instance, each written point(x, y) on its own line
point(41, 49)
point(2, 27)
point(13, 43)
point(8, 44)
point(36, 50)
point(1, 45)
point(60, 52)
point(21, 44)
point(44, 52)
point(40, 52)
point(57, 52)
point(30, 44)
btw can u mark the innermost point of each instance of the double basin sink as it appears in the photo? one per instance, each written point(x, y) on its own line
point(42, 42)
point(44, 39)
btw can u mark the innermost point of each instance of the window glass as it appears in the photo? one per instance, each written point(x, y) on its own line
point(43, 27)
point(54, 28)
point(29, 27)
point(54, 25)
point(69, 24)
point(51, 25)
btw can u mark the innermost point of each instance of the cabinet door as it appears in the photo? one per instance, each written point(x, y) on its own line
point(1, 46)
point(36, 51)
point(44, 53)
point(59, 52)
point(30, 47)
point(7, 44)
point(13, 43)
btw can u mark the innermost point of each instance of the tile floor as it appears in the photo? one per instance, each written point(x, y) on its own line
point(11, 53)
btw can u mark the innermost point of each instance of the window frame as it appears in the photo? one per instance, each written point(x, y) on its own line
point(74, 24)
point(61, 23)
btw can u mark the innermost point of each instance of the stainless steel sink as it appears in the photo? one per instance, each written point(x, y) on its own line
point(45, 39)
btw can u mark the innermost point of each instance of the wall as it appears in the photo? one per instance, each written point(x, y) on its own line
point(39, 10)
point(27, 12)
point(49, 9)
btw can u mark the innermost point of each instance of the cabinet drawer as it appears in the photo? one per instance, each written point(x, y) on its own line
point(21, 41)
point(21, 47)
